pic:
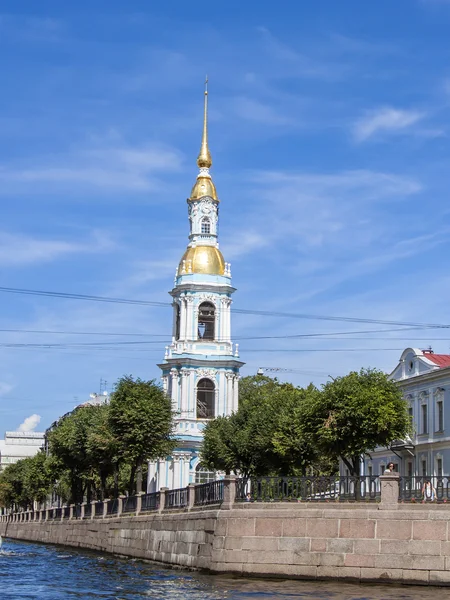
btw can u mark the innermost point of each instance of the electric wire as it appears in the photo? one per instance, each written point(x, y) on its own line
point(243, 311)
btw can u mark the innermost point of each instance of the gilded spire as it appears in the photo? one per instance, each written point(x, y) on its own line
point(204, 160)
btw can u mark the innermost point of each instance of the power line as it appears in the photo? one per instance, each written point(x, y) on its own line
point(235, 310)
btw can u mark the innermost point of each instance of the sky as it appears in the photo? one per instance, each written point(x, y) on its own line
point(329, 132)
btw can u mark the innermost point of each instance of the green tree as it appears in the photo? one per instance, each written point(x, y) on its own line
point(141, 420)
point(68, 446)
point(250, 441)
point(353, 415)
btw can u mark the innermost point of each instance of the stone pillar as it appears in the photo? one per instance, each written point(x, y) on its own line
point(71, 511)
point(105, 508)
point(389, 491)
point(162, 498)
point(120, 505)
point(229, 492)
point(190, 496)
point(139, 502)
point(92, 509)
point(83, 504)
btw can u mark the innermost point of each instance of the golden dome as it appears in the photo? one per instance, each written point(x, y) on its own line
point(204, 186)
point(202, 259)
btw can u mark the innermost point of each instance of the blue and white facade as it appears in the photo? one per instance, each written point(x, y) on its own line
point(424, 378)
point(201, 366)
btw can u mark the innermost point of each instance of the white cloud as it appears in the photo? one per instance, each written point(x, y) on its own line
point(19, 250)
point(5, 388)
point(254, 110)
point(109, 166)
point(384, 119)
point(30, 423)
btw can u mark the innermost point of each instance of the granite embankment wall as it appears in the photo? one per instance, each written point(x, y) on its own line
point(402, 543)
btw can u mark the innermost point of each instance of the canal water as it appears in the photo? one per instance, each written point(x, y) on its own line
point(38, 572)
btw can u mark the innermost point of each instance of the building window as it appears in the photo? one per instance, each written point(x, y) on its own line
point(424, 428)
point(424, 468)
point(411, 414)
point(204, 475)
point(410, 469)
point(205, 399)
point(206, 321)
point(382, 469)
point(439, 467)
point(206, 226)
point(440, 415)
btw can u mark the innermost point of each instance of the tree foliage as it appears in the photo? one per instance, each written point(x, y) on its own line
point(251, 440)
point(354, 414)
point(280, 429)
point(96, 450)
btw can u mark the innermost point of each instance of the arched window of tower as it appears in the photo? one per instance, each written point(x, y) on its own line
point(177, 324)
point(206, 225)
point(204, 475)
point(205, 399)
point(206, 321)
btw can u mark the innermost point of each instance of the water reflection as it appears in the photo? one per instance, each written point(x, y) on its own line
point(38, 572)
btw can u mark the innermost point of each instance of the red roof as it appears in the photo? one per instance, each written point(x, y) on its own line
point(442, 360)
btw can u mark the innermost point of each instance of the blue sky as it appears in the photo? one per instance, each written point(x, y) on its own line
point(329, 130)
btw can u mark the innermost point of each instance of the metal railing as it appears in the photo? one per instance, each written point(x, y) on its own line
point(176, 498)
point(57, 512)
point(87, 510)
point(112, 507)
point(208, 493)
point(76, 511)
point(129, 504)
point(308, 489)
point(66, 512)
point(98, 509)
point(150, 501)
point(423, 488)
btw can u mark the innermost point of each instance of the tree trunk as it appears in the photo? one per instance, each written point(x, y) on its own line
point(131, 483)
point(139, 479)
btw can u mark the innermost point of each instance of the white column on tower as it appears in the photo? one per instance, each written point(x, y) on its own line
point(229, 399)
point(189, 320)
point(185, 373)
point(151, 477)
point(235, 404)
point(185, 467)
point(176, 471)
point(174, 375)
point(165, 382)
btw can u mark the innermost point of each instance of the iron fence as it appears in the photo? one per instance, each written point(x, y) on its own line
point(176, 498)
point(66, 512)
point(208, 493)
point(309, 489)
point(150, 501)
point(112, 507)
point(98, 509)
point(87, 510)
point(57, 512)
point(424, 488)
point(129, 504)
point(77, 511)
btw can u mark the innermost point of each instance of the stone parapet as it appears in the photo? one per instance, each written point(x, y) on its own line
point(360, 542)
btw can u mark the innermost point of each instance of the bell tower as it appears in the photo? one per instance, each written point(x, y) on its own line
point(201, 366)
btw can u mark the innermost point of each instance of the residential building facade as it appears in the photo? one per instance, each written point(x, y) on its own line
point(424, 378)
point(18, 445)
